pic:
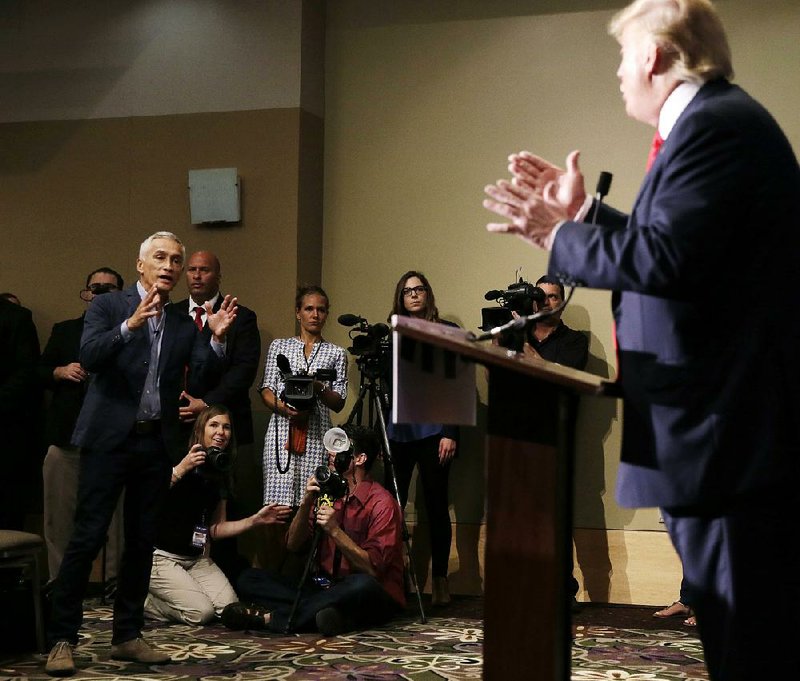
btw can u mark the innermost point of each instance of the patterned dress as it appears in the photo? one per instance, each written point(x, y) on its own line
point(289, 487)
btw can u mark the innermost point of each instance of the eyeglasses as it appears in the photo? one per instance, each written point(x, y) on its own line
point(416, 290)
point(96, 290)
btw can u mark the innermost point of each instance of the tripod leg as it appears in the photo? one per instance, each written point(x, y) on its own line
point(311, 555)
point(389, 465)
point(357, 410)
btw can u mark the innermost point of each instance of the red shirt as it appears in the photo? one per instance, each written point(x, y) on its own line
point(370, 516)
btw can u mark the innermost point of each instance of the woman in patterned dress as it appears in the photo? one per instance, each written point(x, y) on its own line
point(293, 444)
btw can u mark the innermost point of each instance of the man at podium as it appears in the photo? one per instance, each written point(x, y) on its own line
point(709, 375)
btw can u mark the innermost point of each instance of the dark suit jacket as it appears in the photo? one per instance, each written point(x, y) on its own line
point(62, 348)
point(19, 355)
point(705, 307)
point(119, 369)
point(239, 368)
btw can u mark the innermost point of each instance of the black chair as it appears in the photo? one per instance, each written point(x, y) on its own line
point(22, 550)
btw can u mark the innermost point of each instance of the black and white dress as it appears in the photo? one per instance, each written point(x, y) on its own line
point(288, 488)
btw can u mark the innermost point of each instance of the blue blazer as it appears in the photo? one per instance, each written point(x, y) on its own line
point(705, 308)
point(118, 371)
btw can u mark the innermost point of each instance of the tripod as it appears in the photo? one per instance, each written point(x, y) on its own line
point(369, 387)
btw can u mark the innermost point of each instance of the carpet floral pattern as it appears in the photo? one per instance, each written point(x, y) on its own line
point(621, 644)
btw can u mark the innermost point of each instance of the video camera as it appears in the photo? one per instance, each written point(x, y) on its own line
point(299, 387)
point(372, 346)
point(521, 297)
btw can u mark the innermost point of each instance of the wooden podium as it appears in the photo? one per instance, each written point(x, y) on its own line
point(529, 480)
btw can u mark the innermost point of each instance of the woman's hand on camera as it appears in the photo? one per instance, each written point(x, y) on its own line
point(447, 450)
point(271, 514)
point(196, 457)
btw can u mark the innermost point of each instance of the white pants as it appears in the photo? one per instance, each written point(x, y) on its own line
point(60, 477)
point(188, 590)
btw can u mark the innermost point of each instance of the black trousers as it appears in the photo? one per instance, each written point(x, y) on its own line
point(434, 478)
point(142, 468)
point(741, 567)
point(359, 597)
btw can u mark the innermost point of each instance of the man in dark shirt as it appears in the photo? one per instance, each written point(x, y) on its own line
point(552, 339)
point(360, 577)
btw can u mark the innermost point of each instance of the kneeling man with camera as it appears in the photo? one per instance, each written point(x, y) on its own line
point(353, 526)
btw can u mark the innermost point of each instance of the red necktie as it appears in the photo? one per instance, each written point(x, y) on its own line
point(198, 318)
point(654, 149)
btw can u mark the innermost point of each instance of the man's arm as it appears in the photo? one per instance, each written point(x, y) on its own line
point(359, 559)
point(243, 353)
point(58, 361)
point(300, 528)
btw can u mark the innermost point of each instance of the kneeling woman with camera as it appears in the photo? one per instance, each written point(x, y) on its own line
point(293, 444)
point(185, 584)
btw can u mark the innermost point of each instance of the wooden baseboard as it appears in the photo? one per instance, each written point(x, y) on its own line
point(628, 567)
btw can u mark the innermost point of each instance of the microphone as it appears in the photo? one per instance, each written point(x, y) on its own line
point(494, 294)
point(350, 319)
point(601, 191)
point(283, 364)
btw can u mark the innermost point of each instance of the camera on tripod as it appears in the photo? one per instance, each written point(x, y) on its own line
point(521, 297)
point(372, 346)
point(369, 340)
point(298, 390)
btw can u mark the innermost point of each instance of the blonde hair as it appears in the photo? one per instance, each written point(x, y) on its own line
point(690, 31)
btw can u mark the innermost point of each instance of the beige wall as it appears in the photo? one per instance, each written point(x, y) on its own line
point(108, 103)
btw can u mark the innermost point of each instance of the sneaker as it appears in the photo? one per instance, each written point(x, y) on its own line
point(331, 622)
point(241, 617)
point(59, 661)
point(138, 650)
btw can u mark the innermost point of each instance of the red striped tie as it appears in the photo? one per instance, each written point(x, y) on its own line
point(198, 318)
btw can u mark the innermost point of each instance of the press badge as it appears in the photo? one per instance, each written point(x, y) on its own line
point(200, 536)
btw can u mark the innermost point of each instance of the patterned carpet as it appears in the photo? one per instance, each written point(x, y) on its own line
point(612, 643)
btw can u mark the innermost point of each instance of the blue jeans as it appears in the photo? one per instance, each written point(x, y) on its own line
point(358, 597)
point(142, 467)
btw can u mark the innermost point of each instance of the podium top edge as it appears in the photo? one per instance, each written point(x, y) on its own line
point(458, 340)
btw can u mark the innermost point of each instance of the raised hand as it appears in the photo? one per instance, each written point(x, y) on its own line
point(219, 322)
point(563, 190)
point(150, 306)
point(530, 217)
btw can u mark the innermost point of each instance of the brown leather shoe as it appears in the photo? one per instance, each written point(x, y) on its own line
point(138, 650)
point(59, 661)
